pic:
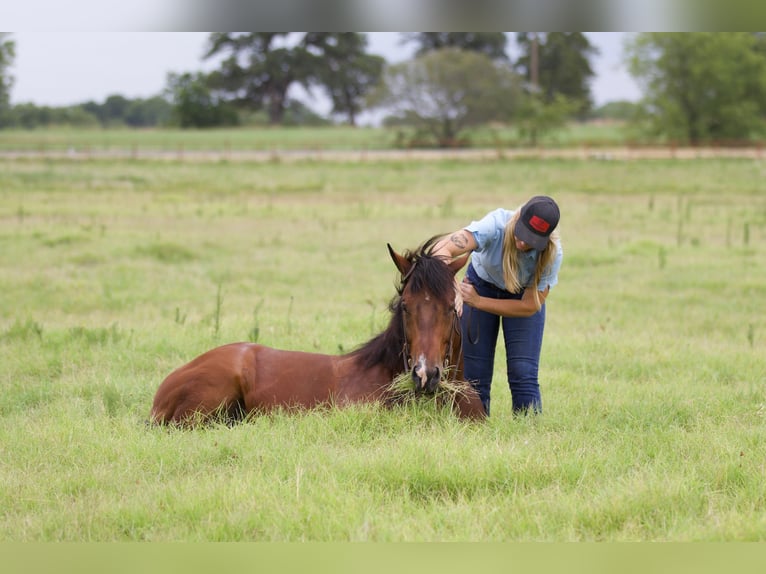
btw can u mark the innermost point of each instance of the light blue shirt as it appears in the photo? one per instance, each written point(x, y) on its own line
point(487, 258)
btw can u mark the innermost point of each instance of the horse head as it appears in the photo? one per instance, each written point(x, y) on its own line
point(426, 308)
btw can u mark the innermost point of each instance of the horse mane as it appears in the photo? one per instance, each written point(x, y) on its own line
point(428, 273)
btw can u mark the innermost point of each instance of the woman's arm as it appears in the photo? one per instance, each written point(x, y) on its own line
point(524, 307)
point(452, 246)
point(455, 244)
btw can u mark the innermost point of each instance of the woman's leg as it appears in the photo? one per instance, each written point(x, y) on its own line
point(523, 342)
point(479, 330)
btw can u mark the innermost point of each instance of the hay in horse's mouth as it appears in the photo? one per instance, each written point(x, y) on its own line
point(403, 386)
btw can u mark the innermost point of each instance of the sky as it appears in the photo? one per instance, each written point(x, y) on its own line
point(67, 67)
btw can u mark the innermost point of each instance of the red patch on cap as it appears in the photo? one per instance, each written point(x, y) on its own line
point(539, 224)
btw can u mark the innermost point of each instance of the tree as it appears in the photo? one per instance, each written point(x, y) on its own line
point(258, 72)
point(345, 70)
point(536, 118)
point(148, 112)
point(30, 116)
point(111, 112)
point(700, 87)
point(114, 109)
point(445, 91)
point(119, 110)
point(195, 104)
point(563, 65)
point(491, 44)
point(261, 67)
point(7, 55)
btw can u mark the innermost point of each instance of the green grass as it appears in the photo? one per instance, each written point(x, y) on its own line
point(173, 140)
point(84, 141)
point(653, 371)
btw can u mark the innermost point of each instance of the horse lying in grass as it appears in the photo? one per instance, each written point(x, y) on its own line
point(422, 339)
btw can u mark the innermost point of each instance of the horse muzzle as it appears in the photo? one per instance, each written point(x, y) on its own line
point(426, 378)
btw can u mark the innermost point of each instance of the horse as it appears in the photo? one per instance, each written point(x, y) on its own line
point(422, 338)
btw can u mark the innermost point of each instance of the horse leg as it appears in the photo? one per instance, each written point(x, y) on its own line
point(193, 394)
point(467, 404)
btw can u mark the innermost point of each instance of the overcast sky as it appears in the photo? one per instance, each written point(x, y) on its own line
point(65, 68)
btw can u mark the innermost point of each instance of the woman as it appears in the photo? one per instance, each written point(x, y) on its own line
point(515, 260)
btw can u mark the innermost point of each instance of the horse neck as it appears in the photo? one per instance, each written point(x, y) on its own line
point(384, 351)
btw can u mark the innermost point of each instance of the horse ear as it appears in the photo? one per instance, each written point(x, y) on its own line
point(401, 263)
point(457, 264)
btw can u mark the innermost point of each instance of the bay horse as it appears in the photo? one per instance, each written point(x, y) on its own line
point(422, 338)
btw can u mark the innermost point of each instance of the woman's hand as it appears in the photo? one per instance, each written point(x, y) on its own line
point(468, 293)
point(458, 299)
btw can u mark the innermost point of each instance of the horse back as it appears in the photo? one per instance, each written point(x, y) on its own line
point(276, 377)
point(242, 377)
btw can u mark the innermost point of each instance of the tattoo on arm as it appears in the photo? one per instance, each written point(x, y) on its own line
point(459, 240)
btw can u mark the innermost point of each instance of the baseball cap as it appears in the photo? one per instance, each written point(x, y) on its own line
point(538, 218)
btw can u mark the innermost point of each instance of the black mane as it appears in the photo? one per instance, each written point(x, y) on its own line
point(428, 273)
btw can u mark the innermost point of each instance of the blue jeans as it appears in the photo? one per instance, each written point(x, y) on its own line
point(523, 340)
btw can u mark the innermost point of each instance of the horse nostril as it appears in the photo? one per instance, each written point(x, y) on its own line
point(426, 378)
point(417, 378)
point(433, 379)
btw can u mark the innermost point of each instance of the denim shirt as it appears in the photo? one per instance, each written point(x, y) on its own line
point(487, 258)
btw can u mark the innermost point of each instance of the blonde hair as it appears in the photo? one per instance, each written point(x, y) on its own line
point(511, 259)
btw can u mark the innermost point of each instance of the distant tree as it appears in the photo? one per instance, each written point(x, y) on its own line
point(299, 114)
point(29, 116)
point(114, 109)
point(563, 65)
point(701, 87)
point(345, 70)
point(111, 112)
point(25, 115)
point(195, 105)
point(491, 44)
point(7, 55)
point(118, 110)
point(619, 110)
point(535, 117)
point(149, 112)
point(94, 109)
point(259, 69)
point(76, 116)
point(445, 91)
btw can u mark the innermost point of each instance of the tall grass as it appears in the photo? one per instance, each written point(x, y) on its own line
point(653, 367)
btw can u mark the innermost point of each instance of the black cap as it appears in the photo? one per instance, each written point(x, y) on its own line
point(538, 218)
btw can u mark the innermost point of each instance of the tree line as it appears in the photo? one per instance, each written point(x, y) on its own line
point(696, 87)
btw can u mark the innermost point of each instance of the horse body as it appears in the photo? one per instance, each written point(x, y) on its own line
point(242, 377)
point(422, 337)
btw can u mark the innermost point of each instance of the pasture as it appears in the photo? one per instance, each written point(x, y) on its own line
point(336, 138)
point(113, 273)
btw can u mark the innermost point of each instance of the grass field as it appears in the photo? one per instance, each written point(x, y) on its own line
point(653, 371)
point(338, 138)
